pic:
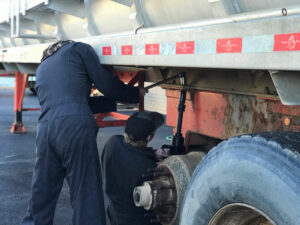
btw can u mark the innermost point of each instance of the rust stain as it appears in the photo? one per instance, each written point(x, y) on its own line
point(223, 115)
point(214, 112)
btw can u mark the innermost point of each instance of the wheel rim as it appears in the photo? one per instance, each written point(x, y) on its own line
point(240, 214)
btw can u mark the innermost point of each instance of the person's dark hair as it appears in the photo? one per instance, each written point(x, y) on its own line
point(130, 140)
point(142, 124)
point(53, 48)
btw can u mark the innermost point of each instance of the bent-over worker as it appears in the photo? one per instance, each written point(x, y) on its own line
point(66, 132)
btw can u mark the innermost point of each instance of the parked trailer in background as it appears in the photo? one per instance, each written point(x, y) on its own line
point(241, 60)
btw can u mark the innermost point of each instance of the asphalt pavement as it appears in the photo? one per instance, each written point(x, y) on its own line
point(17, 154)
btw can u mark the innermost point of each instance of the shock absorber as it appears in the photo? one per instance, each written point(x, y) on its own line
point(177, 147)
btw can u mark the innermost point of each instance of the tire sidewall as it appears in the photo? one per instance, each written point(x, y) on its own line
point(245, 170)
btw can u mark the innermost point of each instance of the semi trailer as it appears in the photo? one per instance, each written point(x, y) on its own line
point(240, 161)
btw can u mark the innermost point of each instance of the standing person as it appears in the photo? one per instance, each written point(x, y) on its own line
point(124, 160)
point(66, 132)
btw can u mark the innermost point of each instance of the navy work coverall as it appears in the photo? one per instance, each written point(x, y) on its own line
point(66, 134)
point(123, 166)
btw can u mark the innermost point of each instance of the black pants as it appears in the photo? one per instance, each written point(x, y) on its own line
point(66, 148)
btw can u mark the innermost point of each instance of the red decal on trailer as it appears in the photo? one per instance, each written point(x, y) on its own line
point(287, 42)
point(231, 45)
point(186, 47)
point(106, 50)
point(152, 49)
point(126, 49)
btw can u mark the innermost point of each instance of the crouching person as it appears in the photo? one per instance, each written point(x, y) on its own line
point(124, 160)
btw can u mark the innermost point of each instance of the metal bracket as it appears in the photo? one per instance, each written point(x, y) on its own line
point(72, 8)
point(124, 2)
point(18, 24)
point(27, 68)
point(4, 27)
point(41, 17)
point(287, 85)
point(10, 67)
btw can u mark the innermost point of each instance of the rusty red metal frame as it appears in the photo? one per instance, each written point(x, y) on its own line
point(224, 115)
point(120, 119)
point(131, 78)
point(6, 75)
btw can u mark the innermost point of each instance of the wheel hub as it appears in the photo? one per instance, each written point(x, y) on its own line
point(240, 214)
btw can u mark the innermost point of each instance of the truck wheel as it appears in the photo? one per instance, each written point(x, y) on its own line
point(247, 180)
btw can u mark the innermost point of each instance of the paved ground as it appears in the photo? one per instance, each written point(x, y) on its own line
point(17, 160)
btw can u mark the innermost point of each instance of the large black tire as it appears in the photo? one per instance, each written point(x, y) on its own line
point(259, 171)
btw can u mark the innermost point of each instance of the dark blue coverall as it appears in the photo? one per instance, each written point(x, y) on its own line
point(123, 166)
point(66, 134)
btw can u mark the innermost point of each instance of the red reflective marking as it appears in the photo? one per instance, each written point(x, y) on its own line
point(231, 45)
point(106, 50)
point(126, 49)
point(152, 49)
point(287, 42)
point(186, 47)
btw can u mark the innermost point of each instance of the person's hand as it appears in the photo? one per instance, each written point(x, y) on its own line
point(161, 154)
point(143, 91)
